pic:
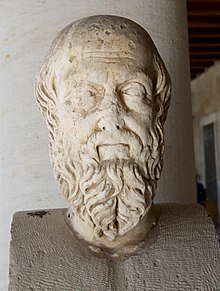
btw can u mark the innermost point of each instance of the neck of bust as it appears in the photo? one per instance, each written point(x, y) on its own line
point(129, 243)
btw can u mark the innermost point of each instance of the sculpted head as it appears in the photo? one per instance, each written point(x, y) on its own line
point(104, 93)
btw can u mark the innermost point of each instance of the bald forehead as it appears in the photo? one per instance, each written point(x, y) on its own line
point(105, 39)
point(105, 26)
point(104, 34)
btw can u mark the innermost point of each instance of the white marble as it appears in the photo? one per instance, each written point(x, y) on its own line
point(104, 93)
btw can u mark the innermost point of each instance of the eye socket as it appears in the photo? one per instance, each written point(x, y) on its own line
point(84, 97)
point(135, 96)
point(87, 92)
point(134, 89)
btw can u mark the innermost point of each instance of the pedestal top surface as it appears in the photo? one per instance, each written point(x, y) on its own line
point(182, 253)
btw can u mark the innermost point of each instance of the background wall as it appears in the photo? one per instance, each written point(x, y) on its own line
point(206, 110)
point(26, 31)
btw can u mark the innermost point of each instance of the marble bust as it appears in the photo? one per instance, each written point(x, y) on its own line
point(104, 93)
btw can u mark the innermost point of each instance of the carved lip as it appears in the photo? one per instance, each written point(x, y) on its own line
point(113, 151)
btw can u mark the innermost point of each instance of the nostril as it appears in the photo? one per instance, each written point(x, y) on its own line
point(103, 128)
point(118, 127)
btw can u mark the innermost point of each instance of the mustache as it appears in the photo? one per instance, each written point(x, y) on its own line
point(126, 139)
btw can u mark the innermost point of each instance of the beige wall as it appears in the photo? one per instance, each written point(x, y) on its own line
point(206, 109)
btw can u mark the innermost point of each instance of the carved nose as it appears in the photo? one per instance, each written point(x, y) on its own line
point(110, 123)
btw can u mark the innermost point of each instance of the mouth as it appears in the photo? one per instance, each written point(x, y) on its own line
point(113, 151)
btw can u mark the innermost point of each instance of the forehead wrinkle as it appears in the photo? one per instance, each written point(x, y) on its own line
point(109, 56)
point(109, 60)
point(87, 76)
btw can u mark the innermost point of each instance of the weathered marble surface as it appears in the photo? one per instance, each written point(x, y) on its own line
point(104, 92)
point(182, 253)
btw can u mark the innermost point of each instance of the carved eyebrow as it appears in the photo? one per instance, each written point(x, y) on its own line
point(141, 79)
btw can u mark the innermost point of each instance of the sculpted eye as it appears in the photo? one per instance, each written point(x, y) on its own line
point(134, 89)
point(84, 97)
point(87, 92)
point(135, 96)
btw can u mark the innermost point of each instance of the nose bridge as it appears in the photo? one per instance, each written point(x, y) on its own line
point(110, 98)
point(111, 118)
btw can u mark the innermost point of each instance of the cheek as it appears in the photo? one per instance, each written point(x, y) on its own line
point(141, 126)
point(67, 124)
point(78, 128)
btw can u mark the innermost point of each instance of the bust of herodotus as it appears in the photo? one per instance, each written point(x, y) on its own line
point(104, 93)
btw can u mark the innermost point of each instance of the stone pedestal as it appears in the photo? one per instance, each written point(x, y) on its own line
point(182, 253)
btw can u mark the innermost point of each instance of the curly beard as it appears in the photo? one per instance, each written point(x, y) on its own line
point(115, 196)
point(111, 195)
